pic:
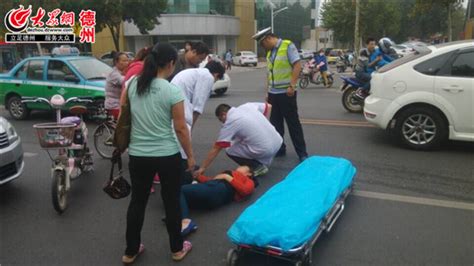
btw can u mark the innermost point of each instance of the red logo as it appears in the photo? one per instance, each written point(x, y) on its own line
point(16, 20)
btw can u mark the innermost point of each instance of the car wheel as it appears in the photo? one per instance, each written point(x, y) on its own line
point(17, 109)
point(421, 128)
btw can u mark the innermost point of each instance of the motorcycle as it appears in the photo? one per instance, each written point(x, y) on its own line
point(68, 136)
point(311, 73)
point(350, 101)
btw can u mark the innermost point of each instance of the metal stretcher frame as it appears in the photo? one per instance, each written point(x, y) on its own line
point(301, 255)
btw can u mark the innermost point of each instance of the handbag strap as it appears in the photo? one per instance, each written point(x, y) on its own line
point(116, 159)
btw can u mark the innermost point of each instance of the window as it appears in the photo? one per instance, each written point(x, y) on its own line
point(59, 71)
point(238, 54)
point(35, 70)
point(21, 72)
point(433, 66)
point(463, 66)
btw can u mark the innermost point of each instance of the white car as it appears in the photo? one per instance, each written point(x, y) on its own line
point(11, 153)
point(306, 54)
point(221, 86)
point(245, 58)
point(426, 97)
point(403, 50)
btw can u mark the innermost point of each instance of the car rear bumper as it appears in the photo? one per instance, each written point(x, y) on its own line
point(378, 110)
point(249, 61)
point(11, 162)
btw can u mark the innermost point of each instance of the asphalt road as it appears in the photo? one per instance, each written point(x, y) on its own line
point(408, 207)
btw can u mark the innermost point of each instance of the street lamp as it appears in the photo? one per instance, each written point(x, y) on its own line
point(274, 13)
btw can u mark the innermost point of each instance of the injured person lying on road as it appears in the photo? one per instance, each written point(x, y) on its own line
point(210, 193)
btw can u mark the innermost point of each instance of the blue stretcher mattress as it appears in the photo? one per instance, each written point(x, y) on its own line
point(290, 213)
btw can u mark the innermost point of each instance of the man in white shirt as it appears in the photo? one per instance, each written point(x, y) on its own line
point(196, 84)
point(247, 136)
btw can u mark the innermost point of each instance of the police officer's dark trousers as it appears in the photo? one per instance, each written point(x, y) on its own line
point(285, 108)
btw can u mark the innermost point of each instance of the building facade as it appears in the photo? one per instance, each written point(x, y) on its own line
point(222, 25)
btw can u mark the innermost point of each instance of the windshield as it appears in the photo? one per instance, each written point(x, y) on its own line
point(91, 68)
point(419, 52)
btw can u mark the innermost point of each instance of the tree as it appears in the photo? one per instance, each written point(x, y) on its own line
point(143, 13)
point(377, 19)
point(448, 5)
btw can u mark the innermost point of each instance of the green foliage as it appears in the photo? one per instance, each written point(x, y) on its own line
point(400, 19)
point(289, 23)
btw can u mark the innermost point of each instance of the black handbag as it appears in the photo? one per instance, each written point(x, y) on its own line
point(117, 187)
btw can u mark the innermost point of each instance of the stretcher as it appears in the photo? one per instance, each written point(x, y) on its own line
point(289, 218)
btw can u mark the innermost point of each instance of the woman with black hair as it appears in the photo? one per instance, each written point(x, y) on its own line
point(114, 82)
point(155, 105)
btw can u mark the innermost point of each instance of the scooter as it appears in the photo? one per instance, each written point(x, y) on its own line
point(68, 136)
point(350, 101)
point(308, 74)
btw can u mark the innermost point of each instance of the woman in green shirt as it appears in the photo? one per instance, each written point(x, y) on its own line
point(157, 109)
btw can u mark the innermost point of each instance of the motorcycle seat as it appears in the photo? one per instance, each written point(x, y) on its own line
point(71, 120)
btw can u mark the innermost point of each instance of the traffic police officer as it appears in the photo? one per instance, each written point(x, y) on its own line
point(283, 63)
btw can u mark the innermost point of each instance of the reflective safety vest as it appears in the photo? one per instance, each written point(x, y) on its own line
point(280, 69)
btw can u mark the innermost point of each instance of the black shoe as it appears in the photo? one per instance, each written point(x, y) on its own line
point(280, 153)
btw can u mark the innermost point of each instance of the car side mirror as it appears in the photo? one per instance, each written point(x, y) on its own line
point(71, 78)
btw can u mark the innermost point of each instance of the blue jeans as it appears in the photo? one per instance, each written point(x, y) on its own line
point(364, 78)
point(205, 196)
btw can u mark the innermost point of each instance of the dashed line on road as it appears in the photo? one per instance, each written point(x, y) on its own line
point(415, 200)
point(340, 123)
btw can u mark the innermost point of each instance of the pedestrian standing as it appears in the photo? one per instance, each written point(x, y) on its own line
point(114, 82)
point(155, 105)
point(284, 67)
point(192, 57)
point(228, 59)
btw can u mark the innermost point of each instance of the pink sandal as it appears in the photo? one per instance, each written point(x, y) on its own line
point(131, 259)
point(187, 246)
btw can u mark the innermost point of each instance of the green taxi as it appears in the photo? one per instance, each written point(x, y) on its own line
point(45, 76)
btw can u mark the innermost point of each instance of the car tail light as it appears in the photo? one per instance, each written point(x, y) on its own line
point(370, 115)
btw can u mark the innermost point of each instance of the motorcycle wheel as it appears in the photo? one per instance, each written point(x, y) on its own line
point(58, 191)
point(304, 82)
point(348, 101)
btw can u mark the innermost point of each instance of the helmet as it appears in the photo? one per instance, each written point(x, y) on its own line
point(385, 44)
point(363, 52)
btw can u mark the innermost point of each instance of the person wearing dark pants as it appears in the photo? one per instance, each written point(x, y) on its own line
point(252, 163)
point(157, 124)
point(142, 170)
point(286, 109)
point(284, 67)
point(211, 193)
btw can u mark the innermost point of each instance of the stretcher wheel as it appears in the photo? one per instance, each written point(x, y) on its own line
point(232, 257)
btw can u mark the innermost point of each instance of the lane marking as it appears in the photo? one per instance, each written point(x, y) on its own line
point(340, 123)
point(29, 154)
point(415, 200)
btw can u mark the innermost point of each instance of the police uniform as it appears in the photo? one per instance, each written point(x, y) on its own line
point(280, 61)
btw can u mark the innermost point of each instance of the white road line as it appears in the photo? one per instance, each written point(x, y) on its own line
point(29, 154)
point(415, 200)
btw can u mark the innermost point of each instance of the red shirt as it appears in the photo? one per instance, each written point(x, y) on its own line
point(242, 184)
point(134, 68)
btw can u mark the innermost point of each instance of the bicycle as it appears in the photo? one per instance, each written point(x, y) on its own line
point(104, 135)
point(69, 137)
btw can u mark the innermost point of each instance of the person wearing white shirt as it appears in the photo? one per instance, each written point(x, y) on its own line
point(247, 137)
point(196, 84)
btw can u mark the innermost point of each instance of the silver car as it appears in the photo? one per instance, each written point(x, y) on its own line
point(11, 153)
